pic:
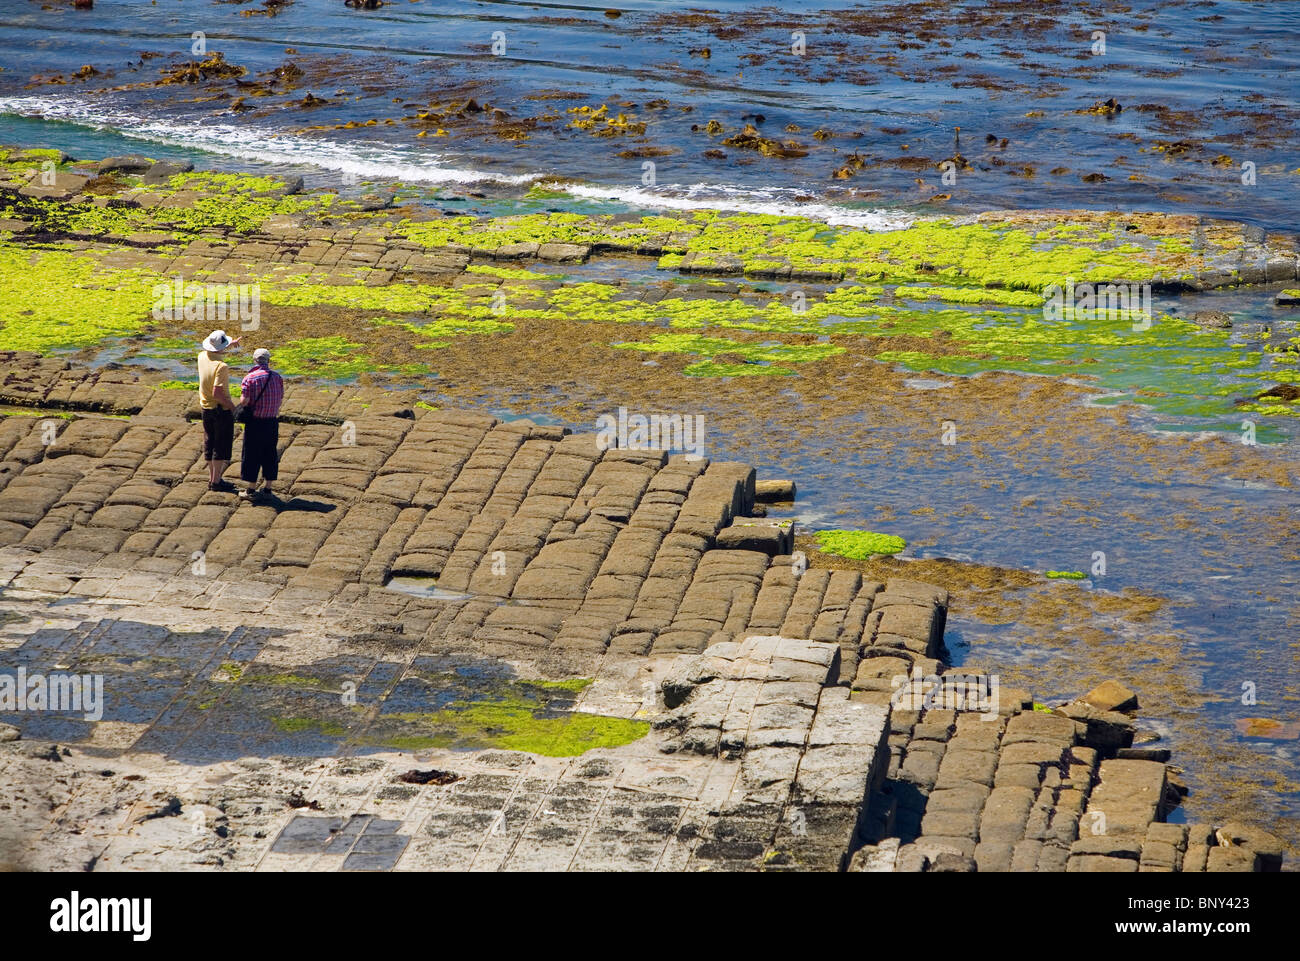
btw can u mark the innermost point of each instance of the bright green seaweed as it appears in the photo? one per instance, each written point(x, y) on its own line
point(858, 545)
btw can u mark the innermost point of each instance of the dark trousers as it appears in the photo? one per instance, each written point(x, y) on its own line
point(261, 438)
point(218, 434)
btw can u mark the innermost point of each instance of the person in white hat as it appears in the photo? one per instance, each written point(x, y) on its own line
point(217, 407)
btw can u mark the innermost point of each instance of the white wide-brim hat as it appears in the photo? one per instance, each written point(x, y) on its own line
point(217, 341)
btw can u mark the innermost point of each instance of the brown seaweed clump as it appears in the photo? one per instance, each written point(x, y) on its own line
point(214, 68)
point(751, 139)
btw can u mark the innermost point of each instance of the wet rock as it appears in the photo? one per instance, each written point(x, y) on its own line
point(127, 164)
point(563, 253)
point(1160, 754)
point(164, 170)
point(1211, 319)
point(374, 201)
point(1111, 696)
point(292, 186)
point(58, 156)
point(774, 491)
point(769, 538)
point(711, 263)
point(432, 776)
point(1283, 392)
point(1106, 731)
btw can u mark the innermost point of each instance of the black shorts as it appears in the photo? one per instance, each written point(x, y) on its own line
point(218, 434)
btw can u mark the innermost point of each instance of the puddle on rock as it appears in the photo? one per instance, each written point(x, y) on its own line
point(923, 383)
point(425, 587)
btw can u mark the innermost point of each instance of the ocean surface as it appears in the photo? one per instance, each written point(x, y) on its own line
point(1209, 125)
point(901, 84)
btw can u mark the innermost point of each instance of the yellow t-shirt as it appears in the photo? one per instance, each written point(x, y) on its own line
point(213, 373)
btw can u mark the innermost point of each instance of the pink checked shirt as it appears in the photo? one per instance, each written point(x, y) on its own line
point(267, 386)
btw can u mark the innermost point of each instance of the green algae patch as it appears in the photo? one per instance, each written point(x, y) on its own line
point(858, 545)
point(994, 254)
point(506, 273)
point(895, 285)
point(547, 228)
point(573, 684)
point(231, 184)
point(332, 358)
point(229, 672)
point(1272, 410)
point(240, 209)
point(439, 332)
point(970, 295)
point(31, 159)
point(435, 312)
point(51, 299)
point(1067, 575)
point(514, 727)
point(286, 679)
point(301, 725)
point(170, 348)
point(531, 716)
point(540, 192)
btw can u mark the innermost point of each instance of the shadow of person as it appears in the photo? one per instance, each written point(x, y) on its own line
point(300, 504)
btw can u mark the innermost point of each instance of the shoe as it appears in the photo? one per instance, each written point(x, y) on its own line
point(247, 494)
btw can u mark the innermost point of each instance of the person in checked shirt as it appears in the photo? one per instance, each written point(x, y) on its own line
point(263, 391)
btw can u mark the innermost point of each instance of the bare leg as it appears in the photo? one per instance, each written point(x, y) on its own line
point(219, 468)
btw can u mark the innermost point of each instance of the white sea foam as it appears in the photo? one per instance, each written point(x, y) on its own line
point(379, 161)
point(774, 201)
point(366, 161)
